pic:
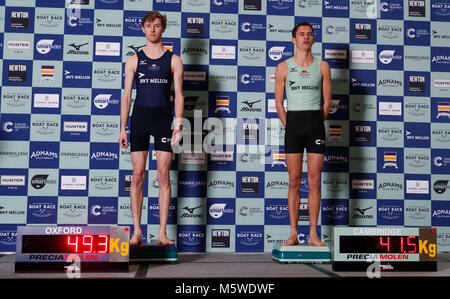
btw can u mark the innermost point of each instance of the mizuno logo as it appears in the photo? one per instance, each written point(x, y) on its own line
point(191, 210)
point(362, 211)
point(77, 47)
point(250, 104)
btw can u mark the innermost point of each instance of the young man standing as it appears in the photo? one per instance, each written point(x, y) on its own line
point(154, 68)
point(307, 82)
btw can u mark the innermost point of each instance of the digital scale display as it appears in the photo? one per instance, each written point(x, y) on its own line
point(379, 244)
point(394, 248)
point(74, 248)
point(65, 244)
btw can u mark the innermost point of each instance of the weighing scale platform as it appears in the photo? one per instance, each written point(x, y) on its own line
point(153, 253)
point(301, 254)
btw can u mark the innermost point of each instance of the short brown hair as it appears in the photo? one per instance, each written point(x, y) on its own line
point(151, 16)
point(294, 31)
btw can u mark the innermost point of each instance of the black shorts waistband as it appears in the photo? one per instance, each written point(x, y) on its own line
point(304, 111)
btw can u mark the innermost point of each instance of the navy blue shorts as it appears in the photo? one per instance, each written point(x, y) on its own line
point(146, 121)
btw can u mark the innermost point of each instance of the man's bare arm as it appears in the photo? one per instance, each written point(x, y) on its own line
point(280, 81)
point(177, 69)
point(130, 70)
point(326, 88)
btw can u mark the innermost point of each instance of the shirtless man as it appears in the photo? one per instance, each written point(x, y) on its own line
point(154, 68)
point(307, 82)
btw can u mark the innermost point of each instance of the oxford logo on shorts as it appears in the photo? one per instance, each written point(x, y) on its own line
point(165, 139)
point(320, 141)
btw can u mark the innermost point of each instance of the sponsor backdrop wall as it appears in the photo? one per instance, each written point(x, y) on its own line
point(387, 161)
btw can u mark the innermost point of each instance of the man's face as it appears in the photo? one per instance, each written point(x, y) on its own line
point(153, 30)
point(304, 37)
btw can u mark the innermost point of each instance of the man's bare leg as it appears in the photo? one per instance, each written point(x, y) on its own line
point(294, 165)
point(138, 159)
point(163, 160)
point(315, 163)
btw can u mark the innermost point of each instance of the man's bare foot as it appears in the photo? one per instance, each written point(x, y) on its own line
point(316, 242)
point(136, 239)
point(163, 240)
point(291, 241)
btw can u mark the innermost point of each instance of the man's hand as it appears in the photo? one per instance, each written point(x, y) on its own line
point(176, 137)
point(123, 139)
